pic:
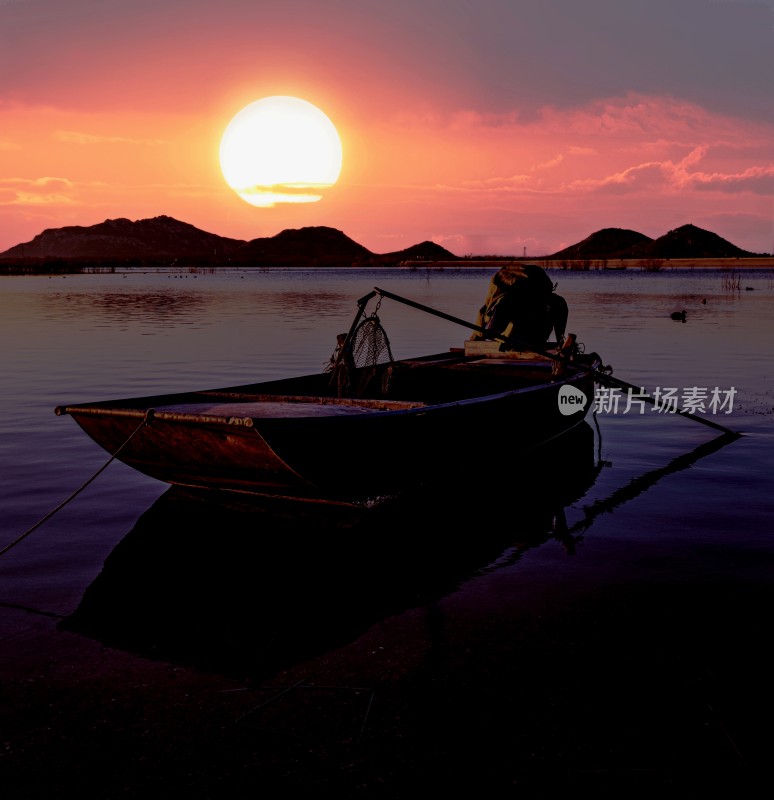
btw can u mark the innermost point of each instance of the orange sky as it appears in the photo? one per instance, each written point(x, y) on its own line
point(491, 128)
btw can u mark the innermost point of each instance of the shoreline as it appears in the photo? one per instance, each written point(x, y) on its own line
point(640, 264)
point(732, 265)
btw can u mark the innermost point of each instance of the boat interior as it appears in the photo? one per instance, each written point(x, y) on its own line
point(391, 386)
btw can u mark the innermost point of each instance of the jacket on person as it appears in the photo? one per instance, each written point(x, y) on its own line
point(521, 306)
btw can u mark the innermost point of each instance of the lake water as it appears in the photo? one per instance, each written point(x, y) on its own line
point(666, 511)
point(90, 337)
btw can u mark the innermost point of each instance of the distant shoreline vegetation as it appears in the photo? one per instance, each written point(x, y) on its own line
point(80, 266)
point(658, 264)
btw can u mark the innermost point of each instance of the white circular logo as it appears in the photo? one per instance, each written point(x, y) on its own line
point(571, 400)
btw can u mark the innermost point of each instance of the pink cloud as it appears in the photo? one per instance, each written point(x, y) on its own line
point(552, 162)
point(75, 137)
point(46, 191)
point(45, 182)
point(670, 176)
point(759, 180)
point(30, 199)
point(632, 179)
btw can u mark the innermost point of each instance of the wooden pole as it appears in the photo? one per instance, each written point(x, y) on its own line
point(602, 377)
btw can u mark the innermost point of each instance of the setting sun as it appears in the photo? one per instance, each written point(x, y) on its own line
point(280, 150)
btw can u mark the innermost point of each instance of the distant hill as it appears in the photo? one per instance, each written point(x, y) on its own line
point(167, 240)
point(687, 241)
point(424, 251)
point(310, 247)
point(158, 237)
point(605, 243)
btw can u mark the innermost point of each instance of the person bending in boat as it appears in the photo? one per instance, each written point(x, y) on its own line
point(522, 307)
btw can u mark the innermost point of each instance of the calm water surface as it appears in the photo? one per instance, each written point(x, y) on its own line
point(647, 514)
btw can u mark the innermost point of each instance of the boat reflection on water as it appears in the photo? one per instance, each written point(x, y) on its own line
point(246, 586)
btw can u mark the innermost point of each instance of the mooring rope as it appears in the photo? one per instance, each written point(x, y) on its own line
point(145, 420)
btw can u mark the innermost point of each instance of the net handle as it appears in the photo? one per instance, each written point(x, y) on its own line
point(361, 304)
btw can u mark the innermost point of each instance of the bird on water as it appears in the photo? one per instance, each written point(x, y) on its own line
point(679, 315)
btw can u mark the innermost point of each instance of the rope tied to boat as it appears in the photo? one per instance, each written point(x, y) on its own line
point(145, 421)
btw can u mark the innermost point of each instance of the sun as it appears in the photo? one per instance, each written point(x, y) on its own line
point(280, 150)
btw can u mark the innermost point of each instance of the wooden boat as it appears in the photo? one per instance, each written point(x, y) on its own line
point(354, 435)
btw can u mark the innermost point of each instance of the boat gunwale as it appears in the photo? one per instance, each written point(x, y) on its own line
point(381, 407)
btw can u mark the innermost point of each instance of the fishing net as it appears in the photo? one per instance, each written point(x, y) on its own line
point(362, 364)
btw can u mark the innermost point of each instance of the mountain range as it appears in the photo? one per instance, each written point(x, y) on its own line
point(165, 240)
point(687, 241)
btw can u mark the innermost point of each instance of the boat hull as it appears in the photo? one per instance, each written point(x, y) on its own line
point(329, 448)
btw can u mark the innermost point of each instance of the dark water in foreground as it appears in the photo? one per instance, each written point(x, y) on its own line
point(651, 536)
